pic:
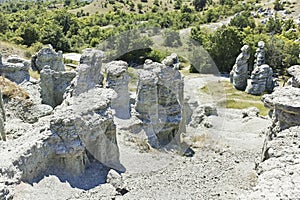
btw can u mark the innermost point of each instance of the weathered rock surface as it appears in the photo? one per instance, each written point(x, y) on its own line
point(284, 104)
point(160, 103)
point(118, 79)
point(279, 170)
point(261, 80)
point(294, 71)
point(48, 56)
point(54, 84)
point(88, 73)
point(239, 72)
point(15, 69)
point(68, 140)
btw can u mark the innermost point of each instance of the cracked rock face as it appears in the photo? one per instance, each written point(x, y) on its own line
point(294, 71)
point(48, 56)
point(15, 69)
point(118, 79)
point(160, 103)
point(261, 80)
point(54, 84)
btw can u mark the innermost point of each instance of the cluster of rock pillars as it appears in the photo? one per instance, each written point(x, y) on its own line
point(71, 116)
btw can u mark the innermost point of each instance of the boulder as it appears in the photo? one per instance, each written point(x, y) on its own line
point(54, 84)
point(261, 80)
point(48, 57)
point(118, 79)
point(15, 69)
point(294, 71)
point(160, 103)
point(200, 115)
point(239, 72)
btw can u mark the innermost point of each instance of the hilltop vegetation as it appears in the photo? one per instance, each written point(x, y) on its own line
point(72, 25)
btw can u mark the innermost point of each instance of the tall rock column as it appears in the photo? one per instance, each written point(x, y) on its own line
point(239, 72)
point(118, 79)
point(160, 103)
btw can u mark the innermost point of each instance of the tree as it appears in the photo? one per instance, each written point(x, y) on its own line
point(242, 20)
point(278, 5)
point(29, 33)
point(3, 23)
point(199, 4)
point(177, 4)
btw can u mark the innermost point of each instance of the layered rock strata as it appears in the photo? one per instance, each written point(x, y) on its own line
point(294, 71)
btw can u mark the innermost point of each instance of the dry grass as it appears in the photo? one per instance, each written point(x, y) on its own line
point(12, 90)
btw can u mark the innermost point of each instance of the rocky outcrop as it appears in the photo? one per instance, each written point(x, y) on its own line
point(118, 79)
point(172, 61)
point(89, 73)
point(68, 140)
point(294, 71)
point(239, 72)
point(48, 56)
point(279, 170)
point(54, 84)
point(261, 80)
point(15, 69)
point(160, 103)
point(2, 118)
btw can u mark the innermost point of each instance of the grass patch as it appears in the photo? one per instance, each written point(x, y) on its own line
point(12, 90)
point(34, 74)
point(133, 79)
point(231, 103)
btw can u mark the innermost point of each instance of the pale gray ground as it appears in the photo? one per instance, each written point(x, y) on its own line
point(222, 167)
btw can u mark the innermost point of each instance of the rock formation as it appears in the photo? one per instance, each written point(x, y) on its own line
point(66, 142)
point(260, 54)
point(261, 80)
point(279, 169)
point(54, 84)
point(200, 116)
point(48, 56)
point(15, 69)
point(118, 79)
point(88, 72)
point(294, 71)
point(239, 72)
point(2, 118)
point(160, 103)
point(172, 61)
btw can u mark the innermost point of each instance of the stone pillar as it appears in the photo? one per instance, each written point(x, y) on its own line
point(239, 73)
point(118, 79)
point(160, 103)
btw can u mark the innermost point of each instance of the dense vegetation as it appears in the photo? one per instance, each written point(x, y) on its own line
point(69, 27)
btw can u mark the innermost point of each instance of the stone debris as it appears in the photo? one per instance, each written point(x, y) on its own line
point(261, 80)
point(294, 71)
point(160, 103)
point(48, 57)
point(118, 79)
point(54, 84)
point(15, 69)
point(239, 72)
